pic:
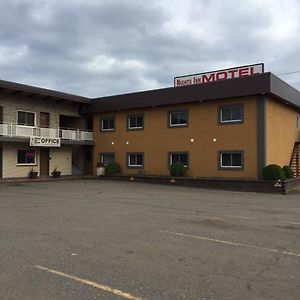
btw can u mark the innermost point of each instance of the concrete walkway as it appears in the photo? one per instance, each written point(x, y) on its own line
point(45, 179)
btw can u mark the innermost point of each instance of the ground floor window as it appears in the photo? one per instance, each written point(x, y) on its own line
point(135, 160)
point(26, 157)
point(107, 158)
point(179, 157)
point(231, 159)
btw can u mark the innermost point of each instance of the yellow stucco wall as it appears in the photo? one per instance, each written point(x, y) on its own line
point(60, 158)
point(156, 140)
point(280, 132)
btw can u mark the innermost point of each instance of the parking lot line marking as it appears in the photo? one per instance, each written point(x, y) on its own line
point(232, 243)
point(90, 283)
point(240, 217)
point(293, 223)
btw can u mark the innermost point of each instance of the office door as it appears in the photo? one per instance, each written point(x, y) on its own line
point(44, 162)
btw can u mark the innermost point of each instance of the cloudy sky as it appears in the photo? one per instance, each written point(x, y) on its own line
point(96, 48)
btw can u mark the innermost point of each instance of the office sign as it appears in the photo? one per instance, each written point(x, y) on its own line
point(44, 142)
point(213, 76)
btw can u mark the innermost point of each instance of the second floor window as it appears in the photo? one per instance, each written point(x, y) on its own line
point(108, 124)
point(135, 122)
point(26, 118)
point(231, 114)
point(178, 118)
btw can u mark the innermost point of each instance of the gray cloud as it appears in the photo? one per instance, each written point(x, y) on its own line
point(97, 48)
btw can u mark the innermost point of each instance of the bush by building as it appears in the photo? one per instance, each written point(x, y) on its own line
point(177, 169)
point(273, 172)
point(112, 168)
point(287, 172)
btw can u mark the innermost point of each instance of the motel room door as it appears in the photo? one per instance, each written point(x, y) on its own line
point(44, 162)
point(44, 119)
point(0, 162)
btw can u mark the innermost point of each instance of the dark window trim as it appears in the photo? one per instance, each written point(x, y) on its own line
point(179, 152)
point(134, 167)
point(106, 153)
point(220, 122)
point(27, 164)
point(135, 128)
point(231, 168)
point(180, 125)
point(106, 118)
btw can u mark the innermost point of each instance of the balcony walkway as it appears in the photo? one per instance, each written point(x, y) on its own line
point(10, 130)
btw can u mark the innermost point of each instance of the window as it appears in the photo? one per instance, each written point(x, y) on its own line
point(26, 157)
point(178, 118)
point(135, 122)
point(179, 157)
point(108, 124)
point(135, 160)
point(297, 121)
point(231, 160)
point(26, 118)
point(231, 114)
point(107, 158)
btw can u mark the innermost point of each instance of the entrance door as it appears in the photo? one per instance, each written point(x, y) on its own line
point(44, 162)
point(44, 119)
point(1, 114)
point(0, 162)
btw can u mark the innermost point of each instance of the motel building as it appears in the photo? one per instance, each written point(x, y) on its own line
point(43, 130)
point(221, 124)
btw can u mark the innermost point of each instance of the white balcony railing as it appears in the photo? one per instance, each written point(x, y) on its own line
point(14, 130)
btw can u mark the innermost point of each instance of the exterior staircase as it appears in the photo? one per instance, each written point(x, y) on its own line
point(295, 160)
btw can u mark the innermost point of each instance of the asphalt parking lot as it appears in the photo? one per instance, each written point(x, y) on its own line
point(92, 239)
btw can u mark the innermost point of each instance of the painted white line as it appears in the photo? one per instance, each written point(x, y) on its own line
point(231, 243)
point(90, 283)
point(240, 217)
point(293, 223)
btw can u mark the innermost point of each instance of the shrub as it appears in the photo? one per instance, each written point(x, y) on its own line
point(112, 168)
point(287, 172)
point(177, 169)
point(273, 172)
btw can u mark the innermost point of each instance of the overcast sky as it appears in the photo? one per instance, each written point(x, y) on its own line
point(96, 48)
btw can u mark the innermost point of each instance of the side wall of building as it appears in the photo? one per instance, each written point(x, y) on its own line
point(12, 103)
point(156, 140)
point(280, 132)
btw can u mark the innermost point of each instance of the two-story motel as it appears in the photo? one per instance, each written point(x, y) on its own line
point(224, 128)
point(43, 130)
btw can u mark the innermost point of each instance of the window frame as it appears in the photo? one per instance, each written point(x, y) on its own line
point(178, 125)
point(107, 153)
point(135, 128)
point(135, 166)
point(26, 111)
point(107, 118)
point(232, 121)
point(179, 153)
point(237, 168)
point(27, 164)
